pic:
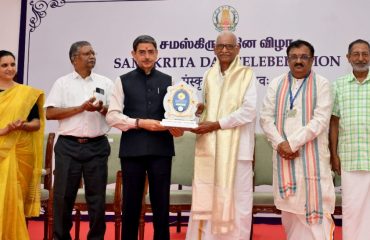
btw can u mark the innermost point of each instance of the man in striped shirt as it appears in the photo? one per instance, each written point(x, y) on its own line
point(350, 141)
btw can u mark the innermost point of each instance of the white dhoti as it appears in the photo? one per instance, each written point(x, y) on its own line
point(243, 190)
point(296, 227)
point(356, 205)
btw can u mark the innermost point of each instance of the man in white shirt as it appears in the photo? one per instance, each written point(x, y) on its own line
point(222, 185)
point(79, 102)
point(295, 118)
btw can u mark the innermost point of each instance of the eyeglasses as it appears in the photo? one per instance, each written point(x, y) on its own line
point(295, 58)
point(229, 47)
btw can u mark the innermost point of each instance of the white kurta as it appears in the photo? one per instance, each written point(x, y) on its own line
point(297, 136)
point(244, 117)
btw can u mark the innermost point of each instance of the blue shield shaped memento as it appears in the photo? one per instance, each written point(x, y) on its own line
point(181, 100)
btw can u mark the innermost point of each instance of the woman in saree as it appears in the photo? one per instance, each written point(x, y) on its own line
point(21, 147)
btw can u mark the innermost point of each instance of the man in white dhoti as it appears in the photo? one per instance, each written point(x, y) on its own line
point(350, 153)
point(222, 185)
point(295, 118)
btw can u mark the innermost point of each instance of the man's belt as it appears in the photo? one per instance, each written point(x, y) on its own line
point(83, 139)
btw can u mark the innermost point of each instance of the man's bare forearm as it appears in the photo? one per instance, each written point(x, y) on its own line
point(56, 113)
point(333, 135)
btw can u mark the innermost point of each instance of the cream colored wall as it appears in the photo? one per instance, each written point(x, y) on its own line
point(10, 11)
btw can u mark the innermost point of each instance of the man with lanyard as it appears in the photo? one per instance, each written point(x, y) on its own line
point(79, 102)
point(223, 173)
point(295, 118)
point(350, 153)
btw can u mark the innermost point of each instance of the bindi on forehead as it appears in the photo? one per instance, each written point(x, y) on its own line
point(145, 45)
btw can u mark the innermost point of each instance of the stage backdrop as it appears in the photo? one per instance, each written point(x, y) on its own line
point(185, 31)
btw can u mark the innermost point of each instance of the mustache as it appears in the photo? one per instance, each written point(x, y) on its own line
point(361, 67)
point(361, 63)
point(298, 65)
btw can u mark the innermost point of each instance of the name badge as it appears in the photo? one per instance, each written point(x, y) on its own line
point(291, 113)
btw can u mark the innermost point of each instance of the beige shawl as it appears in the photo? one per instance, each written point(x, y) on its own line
point(216, 152)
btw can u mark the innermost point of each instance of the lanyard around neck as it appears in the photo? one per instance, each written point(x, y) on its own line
point(291, 97)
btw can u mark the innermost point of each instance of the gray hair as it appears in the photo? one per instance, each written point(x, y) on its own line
point(227, 33)
point(356, 42)
point(75, 48)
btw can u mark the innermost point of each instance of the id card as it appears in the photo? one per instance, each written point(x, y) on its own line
point(291, 113)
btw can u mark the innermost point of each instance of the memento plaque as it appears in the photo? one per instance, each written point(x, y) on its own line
point(180, 104)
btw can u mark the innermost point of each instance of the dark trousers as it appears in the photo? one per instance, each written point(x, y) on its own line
point(72, 161)
point(134, 169)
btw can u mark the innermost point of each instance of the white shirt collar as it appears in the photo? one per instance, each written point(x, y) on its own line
point(75, 75)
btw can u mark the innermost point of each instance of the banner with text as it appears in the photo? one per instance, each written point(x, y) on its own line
point(185, 31)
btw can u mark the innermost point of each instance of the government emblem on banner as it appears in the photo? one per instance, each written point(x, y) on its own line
point(225, 18)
